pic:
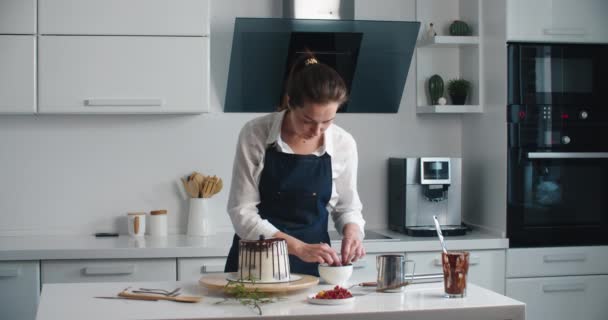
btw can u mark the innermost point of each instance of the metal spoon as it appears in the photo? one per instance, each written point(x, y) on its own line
point(440, 235)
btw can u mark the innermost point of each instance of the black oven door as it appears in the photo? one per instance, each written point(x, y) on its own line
point(566, 74)
point(557, 198)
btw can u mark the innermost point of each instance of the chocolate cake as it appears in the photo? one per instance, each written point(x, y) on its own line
point(264, 260)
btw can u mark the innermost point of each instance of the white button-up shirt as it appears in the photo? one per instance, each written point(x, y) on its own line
point(255, 137)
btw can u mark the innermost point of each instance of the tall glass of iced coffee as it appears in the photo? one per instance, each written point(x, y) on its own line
point(455, 269)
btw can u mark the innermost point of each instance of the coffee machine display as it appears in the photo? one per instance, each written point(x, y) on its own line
point(420, 188)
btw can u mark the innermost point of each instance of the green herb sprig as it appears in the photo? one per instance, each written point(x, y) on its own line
point(236, 290)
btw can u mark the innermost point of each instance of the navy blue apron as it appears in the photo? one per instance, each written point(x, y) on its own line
point(294, 192)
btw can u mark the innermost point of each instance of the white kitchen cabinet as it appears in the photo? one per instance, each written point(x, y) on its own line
point(112, 74)
point(194, 268)
point(17, 17)
point(559, 282)
point(20, 289)
point(561, 298)
point(119, 17)
point(17, 74)
point(535, 262)
point(557, 21)
point(451, 57)
point(486, 267)
point(117, 270)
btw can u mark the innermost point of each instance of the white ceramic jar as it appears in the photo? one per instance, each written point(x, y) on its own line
point(157, 226)
point(136, 223)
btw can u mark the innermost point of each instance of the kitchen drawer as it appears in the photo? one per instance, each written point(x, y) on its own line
point(486, 267)
point(66, 271)
point(561, 298)
point(123, 74)
point(119, 17)
point(20, 283)
point(17, 74)
point(17, 17)
point(194, 268)
point(536, 262)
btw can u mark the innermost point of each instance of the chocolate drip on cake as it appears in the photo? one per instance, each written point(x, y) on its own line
point(255, 255)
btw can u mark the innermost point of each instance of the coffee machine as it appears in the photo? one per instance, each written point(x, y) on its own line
point(420, 188)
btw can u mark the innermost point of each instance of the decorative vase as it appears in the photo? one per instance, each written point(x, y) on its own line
point(458, 99)
point(435, 88)
point(459, 28)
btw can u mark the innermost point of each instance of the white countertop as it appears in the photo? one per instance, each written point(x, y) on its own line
point(89, 247)
point(419, 301)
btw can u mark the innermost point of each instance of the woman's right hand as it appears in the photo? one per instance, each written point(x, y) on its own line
point(321, 253)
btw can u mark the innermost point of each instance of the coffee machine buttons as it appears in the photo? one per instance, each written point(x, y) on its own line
point(583, 115)
point(566, 140)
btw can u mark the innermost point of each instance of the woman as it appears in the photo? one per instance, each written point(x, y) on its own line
point(292, 166)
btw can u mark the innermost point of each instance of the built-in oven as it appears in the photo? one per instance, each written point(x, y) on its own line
point(557, 74)
point(557, 181)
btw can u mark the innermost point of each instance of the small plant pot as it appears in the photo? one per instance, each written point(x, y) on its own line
point(458, 99)
point(435, 85)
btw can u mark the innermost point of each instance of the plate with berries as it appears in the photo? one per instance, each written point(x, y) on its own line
point(337, 295)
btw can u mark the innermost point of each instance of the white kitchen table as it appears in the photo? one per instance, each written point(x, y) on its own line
point(420, 301)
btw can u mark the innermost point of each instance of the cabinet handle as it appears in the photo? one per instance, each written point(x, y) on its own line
point(569, 287)
point(574, 257)
point(10, 273)
point(212, 268)
point(129, 102)
point(109, 270)
point(473, 260)
point(567, 155)
point(565, 31)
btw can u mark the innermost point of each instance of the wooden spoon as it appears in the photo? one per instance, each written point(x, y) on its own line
point(191, 187)
point(189, 299)
point(218, 186)
point(208, 186)
point(189, 190)
point(199, 178)
point(194, 188)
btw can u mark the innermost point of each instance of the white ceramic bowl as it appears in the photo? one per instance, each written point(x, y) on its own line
point(337, 275)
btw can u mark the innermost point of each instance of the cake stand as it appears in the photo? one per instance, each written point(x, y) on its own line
point(220, 280)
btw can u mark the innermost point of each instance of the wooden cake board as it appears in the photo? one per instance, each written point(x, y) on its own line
point(219, 281)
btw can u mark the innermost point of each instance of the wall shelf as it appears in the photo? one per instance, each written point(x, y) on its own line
point(450, 57)
point(450, 109)
point(448, 41)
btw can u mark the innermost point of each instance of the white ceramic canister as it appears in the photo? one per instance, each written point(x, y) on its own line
point(157, 226)
point(198, 218)
point(136, 223)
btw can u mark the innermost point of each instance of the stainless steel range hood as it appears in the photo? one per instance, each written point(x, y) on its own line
point(373, 57)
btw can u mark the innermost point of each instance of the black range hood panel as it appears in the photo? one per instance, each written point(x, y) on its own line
point(373, 57)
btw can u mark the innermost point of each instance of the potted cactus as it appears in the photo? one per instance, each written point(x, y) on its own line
point(458, 89)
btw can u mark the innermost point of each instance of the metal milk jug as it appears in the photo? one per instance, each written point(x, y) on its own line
point(392, 272)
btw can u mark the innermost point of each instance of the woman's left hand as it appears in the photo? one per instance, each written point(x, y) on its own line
point(352, 245)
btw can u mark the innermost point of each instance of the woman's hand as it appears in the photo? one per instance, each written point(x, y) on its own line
point(321, 252)
point(352, 245)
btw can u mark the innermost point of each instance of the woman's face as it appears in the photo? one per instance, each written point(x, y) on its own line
point(311, 120)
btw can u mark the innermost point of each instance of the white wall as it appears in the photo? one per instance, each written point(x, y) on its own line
point(484, 136)
point(81, 174)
